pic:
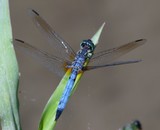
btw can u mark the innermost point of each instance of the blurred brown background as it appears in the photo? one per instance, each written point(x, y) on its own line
point(108, 98)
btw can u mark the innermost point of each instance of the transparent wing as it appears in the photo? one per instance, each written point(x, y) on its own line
point(53, 63)
point(107, 56)
point(61, 47)
point(111, 64)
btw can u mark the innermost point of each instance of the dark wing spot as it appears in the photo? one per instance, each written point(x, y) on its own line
point(139, 40)
point(35, 12)
point(19, 40)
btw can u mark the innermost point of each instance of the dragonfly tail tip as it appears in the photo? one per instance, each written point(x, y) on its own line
point(58, 114)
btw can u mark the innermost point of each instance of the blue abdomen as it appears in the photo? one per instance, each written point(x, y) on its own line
point(66, 94)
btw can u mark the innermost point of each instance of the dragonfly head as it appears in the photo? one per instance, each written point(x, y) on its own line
point(88, 44)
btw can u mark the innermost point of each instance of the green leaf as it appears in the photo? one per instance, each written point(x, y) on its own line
point(9, 114)
point(48, 117)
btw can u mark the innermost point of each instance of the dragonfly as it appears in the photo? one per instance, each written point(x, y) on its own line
point(135, 125)
point(65, 58)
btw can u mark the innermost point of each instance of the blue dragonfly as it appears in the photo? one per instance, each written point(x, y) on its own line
point(64, 58)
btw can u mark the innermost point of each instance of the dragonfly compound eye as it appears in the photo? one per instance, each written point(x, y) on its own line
point(83, 44)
